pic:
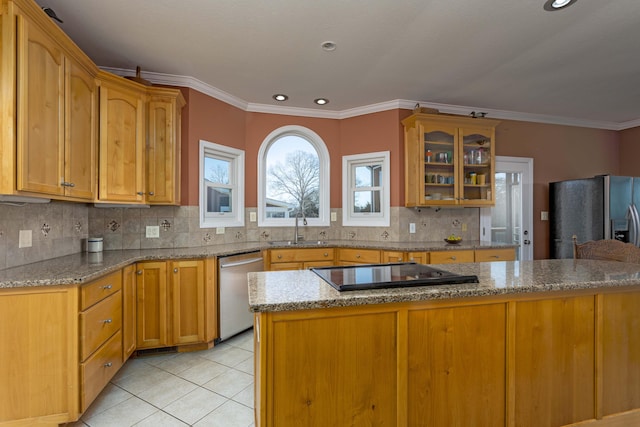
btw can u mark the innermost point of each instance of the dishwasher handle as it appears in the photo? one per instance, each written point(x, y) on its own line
point(243, 262)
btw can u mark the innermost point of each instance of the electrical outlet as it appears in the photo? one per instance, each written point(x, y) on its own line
point(464, 226)
point(252, 217)
point(219, 230)
point(334, 216)
point(412, 227)
point(153, 231)
point(24, 239)
point(544, 216)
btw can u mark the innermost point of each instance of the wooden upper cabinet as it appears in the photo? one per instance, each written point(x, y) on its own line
point(81, 124)
point(449, 160)
point(122, 140)
point(49, 89)
point(163, 146)
point(40, 131)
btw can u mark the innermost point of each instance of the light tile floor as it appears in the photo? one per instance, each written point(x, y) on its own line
point(204, 388)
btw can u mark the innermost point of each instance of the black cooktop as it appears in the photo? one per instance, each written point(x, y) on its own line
point(375, 276)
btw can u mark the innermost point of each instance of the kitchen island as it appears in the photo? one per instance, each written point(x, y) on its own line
point(539, 343)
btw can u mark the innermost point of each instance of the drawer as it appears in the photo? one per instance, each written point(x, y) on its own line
point(98, 370)
point(495, 255)
point(296, 255)
point(99, 322)
point(363, 256)
point(447, 257)
point(99, 289)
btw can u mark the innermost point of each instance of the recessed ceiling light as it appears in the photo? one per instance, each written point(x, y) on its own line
point(328, 46)
point(552, 5)
point(321, 101)
point(280, 97)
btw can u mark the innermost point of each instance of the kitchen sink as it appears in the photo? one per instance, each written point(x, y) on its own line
point(299, 243)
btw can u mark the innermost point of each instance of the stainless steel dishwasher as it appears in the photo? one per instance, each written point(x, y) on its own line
point(233, 293)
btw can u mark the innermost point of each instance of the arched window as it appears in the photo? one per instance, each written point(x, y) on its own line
point(293, 178)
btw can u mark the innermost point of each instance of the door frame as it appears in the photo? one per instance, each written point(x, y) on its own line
point(522, 165)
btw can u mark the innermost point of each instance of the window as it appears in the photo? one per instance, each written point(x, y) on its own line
point(365, 192)
point(221, 186)
point(293, 178)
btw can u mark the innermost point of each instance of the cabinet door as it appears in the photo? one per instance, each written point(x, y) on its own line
point(440, 165)
point(358, 256)
point(477, 172)
point(151, 307)
point(163, 151)
point(620, 352)
point(40, 127)
point(419, 257)
point(128, 311)
point(121, 144)
point(81, 132)
point(456, 366)
point(188, 305)
point(392, 256)
point(484, 255)
point(554, 362)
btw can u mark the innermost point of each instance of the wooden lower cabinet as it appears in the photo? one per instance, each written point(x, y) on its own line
point(350, 256)
point(299, 259)
point(39, 355)
point(173, 303)
point(456, 366)
point(484, 255)
point(567, 359)
point(452, 256)
point(128, 311)
point(399, 256)
point(554, 361)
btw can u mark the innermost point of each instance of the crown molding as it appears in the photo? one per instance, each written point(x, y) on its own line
point(207, 89)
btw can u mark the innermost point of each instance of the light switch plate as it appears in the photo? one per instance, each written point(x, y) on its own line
point(544, 216)
point(153, 231)
point(252, 217)
point(412, 227)
point(219, 230)
point(24, 239)
point(334, 216)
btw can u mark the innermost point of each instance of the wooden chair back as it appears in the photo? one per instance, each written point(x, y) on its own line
point(606, 249)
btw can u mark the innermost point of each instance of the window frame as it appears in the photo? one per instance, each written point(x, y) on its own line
point(236, 157)
point(324, 181)
point(363, 219)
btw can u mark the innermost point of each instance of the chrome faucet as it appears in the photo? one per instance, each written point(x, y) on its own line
point(296, 236)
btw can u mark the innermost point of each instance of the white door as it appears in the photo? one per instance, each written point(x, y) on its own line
point(511, 219)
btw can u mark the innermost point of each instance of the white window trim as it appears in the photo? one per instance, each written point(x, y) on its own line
point(351, 219)
point(236, 218)
point(325, 168)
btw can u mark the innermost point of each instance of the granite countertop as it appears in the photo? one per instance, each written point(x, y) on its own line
point(303, 289)
point(84, 267)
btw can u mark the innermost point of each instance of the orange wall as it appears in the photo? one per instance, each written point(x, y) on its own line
point(559, 153)
point(630, 152)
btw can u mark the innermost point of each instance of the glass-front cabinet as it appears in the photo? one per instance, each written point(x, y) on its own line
point(449, 160)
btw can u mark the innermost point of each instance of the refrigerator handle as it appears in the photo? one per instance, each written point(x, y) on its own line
point(636, 224)
point(633, 234)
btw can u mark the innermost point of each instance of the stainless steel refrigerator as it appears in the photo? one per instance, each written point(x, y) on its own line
point(602, 207)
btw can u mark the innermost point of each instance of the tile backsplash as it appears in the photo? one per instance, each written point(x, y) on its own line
point(61, 228)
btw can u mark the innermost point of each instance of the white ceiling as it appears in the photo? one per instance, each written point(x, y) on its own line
point(510, 58)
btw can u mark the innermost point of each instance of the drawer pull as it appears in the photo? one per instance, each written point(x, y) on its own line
point(400, 259)
point(139, 272)
point(151, 193)
point(453, 258)
point(140, 193)
point(175, 270)
point(326, 254)
point(358, 256)
point(107, 321)
point(279, 256)
point(108, 365)
point(107, 287)
point(495, 256)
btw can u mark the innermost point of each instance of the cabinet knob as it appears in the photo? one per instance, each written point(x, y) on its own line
point(326, 254)
point(108, 365)
point(107, 287)
point(175, 270)
point(358, 256)
point(279, 256)
point(410, 259)
point(400, 259)
point(67, 184)
point(453, 258)
point(495, 256)
point(139, 272)
point(140, 193)
point(151, 193)
point(107, 320)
